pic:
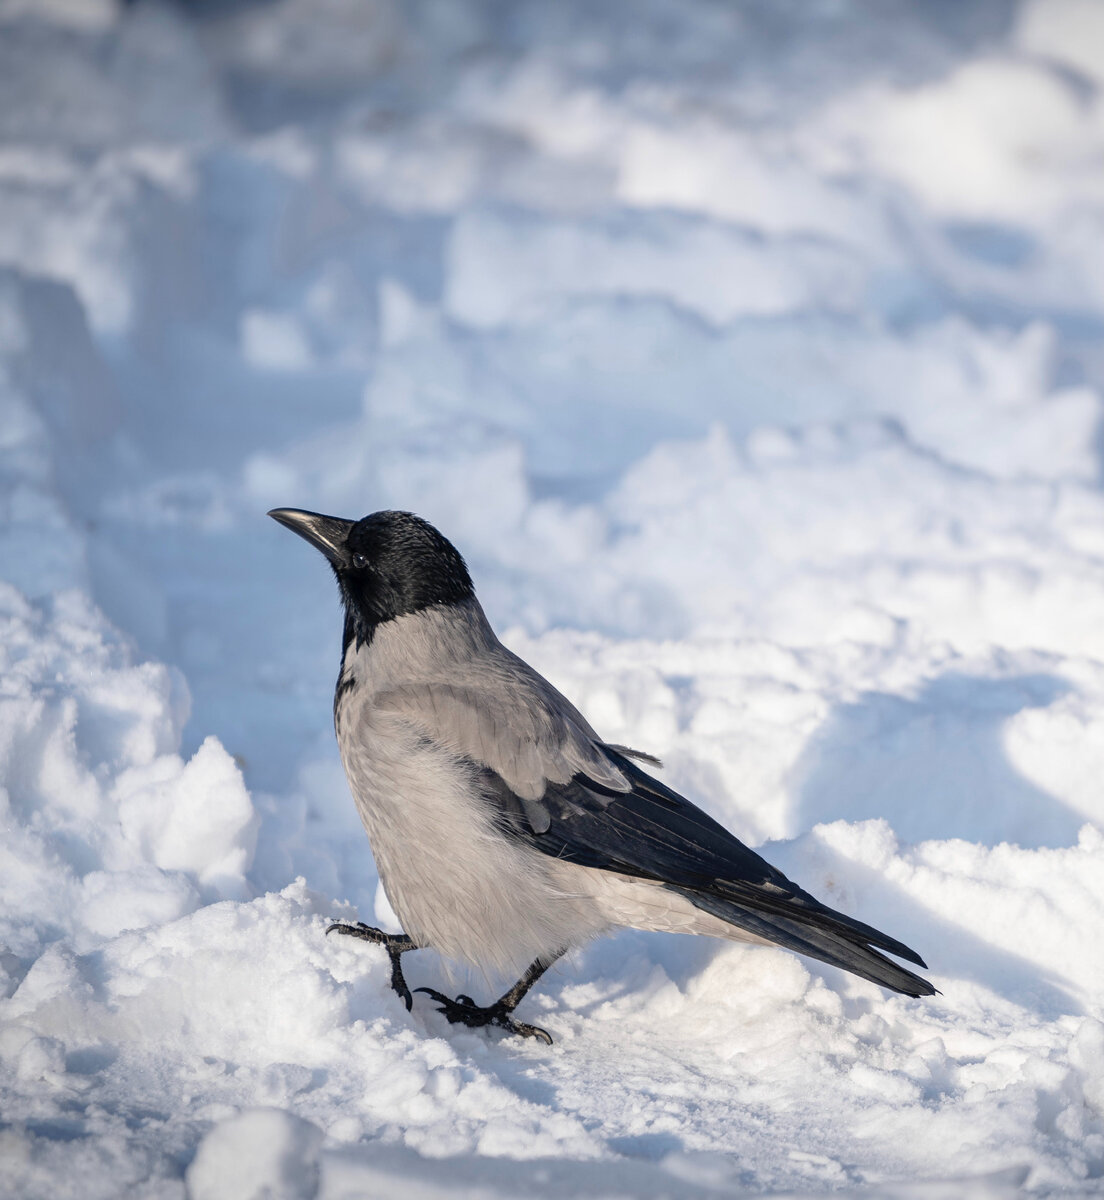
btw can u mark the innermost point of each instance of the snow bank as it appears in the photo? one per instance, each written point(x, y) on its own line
point(755, 366)
point(109, 829)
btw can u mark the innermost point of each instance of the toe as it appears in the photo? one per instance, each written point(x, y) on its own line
point(434, 994)
point(358, 930)
point(533, 1031)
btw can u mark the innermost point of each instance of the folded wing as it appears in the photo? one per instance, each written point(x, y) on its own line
point(651, 832)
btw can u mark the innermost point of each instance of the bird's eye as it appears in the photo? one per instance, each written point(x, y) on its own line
point(359, 561)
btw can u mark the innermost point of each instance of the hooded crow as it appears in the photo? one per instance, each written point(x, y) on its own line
point(506, 831)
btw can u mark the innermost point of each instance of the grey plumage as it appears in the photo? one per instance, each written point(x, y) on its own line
point(505, 830)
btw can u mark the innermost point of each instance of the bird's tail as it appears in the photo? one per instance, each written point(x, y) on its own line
point(811, 928)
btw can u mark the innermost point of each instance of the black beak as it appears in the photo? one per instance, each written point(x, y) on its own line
point(327, 534)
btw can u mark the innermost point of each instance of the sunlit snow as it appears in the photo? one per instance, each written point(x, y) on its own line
point(753, 355)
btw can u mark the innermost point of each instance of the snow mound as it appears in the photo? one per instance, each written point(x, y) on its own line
point(754, 363)
point(109, 828)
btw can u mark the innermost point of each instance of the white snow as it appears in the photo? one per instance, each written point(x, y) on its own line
point(752, 356)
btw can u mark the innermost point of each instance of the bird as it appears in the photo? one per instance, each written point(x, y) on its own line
point(505, 830)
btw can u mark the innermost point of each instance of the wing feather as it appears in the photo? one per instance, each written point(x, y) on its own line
point(529, 735)
point(652, 832)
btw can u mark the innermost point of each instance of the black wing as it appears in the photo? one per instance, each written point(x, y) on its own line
point(651, 832)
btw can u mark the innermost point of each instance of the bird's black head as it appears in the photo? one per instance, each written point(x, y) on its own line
point(387, 564)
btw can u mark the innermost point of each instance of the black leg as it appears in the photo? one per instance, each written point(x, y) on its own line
point(465, 1011)
point(396, 944)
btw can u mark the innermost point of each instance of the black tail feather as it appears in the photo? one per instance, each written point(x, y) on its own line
point(821, 934)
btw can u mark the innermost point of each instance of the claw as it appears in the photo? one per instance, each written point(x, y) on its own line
point(464, 1011)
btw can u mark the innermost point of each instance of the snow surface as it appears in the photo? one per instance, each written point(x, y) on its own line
point(753, 353)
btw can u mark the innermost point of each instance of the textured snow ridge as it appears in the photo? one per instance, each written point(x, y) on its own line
point(752, 357)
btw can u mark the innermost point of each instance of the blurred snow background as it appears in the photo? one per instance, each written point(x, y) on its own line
point(753, 353)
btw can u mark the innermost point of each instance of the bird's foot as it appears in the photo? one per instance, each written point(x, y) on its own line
point(396, 944)
point(464, 1011)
